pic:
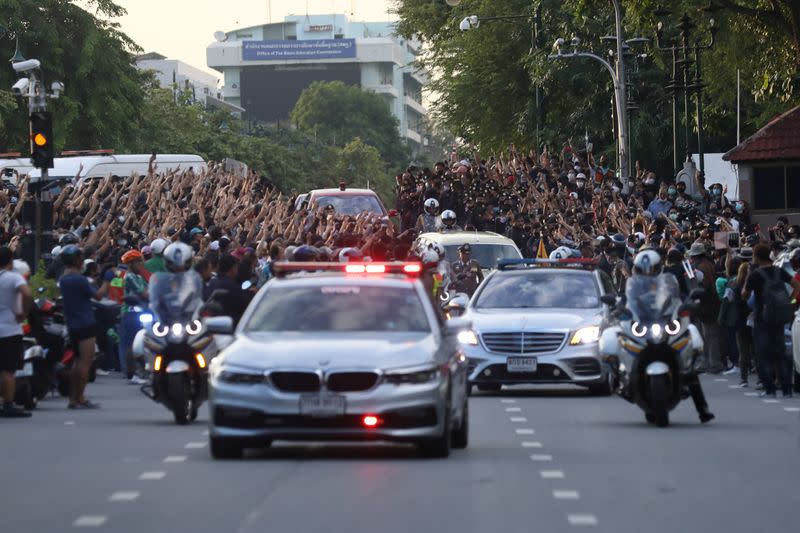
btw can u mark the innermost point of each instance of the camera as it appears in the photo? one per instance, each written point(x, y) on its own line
point(21, 87)
point(25, 66)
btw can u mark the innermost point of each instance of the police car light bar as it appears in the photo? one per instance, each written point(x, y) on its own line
point(507, 264)
point(397, 267)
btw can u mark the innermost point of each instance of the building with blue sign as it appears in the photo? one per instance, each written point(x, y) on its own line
point(266, 67)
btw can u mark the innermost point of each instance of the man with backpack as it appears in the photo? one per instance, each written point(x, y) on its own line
point(772, 311)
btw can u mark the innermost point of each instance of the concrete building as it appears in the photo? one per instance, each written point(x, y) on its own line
point(769, 169)
point(172, 73)
point(266, 67)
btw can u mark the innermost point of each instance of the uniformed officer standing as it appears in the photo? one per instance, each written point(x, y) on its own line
point(467, 272)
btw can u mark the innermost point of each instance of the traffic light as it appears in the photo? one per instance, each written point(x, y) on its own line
point(42, 139)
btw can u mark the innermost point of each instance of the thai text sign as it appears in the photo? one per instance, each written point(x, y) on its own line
point(307, 49)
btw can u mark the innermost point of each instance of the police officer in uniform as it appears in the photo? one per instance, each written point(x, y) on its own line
point(467, 273)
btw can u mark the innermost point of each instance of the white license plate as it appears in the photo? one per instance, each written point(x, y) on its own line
point(521, 364)
point(26, 371)
point(322, 405)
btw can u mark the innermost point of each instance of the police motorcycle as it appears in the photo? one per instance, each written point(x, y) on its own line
point(174, 341)
point(654, 346)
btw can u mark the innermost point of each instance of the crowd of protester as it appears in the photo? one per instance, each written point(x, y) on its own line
point(568, 203)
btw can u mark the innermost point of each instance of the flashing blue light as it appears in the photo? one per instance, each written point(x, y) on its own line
point(145, 319)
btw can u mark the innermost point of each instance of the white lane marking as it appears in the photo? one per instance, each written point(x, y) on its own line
point(531, 444)
point(174, 458)
point(518, 419)
point(195, 445)
point(513, 409)
point(751, 394)
point(721, 380)
point(89, 521)
point(582, 519)
point(734, 387)
point(552, 474)
point(150, 476)
point(525, 431)
point(792, 409)
point(541, 457)
point(566, 495)
point(124, 496)
point(508, 401)
point(771, 401)
point(69, 423)
point(205, 433)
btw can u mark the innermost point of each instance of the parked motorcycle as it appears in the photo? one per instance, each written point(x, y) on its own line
point(654, 347)
point(177, 344)
point(33, 379)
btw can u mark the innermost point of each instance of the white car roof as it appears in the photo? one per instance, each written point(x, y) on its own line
point(466, 237)
point(67, 167)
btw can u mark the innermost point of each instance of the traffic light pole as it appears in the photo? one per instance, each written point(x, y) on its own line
point(35, 104)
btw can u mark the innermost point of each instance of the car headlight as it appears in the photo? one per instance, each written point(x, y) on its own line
point(412, 377)
point(586, 335)
point(160, 330)
point(467, 337)
point(638, 330)
point(240, 378)
point(673, 328)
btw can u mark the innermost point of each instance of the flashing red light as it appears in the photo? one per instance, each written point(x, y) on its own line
point(376, 269)
point(355, 269)
point(397, 267)
point(370, 421)
point(414, 268)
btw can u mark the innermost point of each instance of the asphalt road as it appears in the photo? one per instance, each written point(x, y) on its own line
point(544, 460)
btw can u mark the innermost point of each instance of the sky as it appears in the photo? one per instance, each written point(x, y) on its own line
point(181, 29)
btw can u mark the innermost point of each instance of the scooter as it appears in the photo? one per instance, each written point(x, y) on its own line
point(33, 379)
point(654, 347)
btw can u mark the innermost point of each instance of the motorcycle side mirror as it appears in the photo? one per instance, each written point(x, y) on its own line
point(246, 285)
point(609, 299)
point(40, 290)
point(689, 307)
point(219, 325)
point(457, 324)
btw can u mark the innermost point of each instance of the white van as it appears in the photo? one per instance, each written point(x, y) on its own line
point(100, 166)
point(8, 164)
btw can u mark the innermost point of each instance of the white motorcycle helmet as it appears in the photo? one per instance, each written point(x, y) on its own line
point(438, 249)
point(562, 252)
point(431, 206)
point(22, 268)
point(429, 257)
point(448, 217)
point(178, 257)
point(158, 246)
point(647, 263)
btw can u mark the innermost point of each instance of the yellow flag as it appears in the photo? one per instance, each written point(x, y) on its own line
point(541, 253)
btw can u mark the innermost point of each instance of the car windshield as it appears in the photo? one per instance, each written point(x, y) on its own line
point(352, 204)
point(339, 308)
point(487, 255)
point(652, 298)
point(539, 289)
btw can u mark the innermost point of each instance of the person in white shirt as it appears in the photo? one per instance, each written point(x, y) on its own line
point(15, 299)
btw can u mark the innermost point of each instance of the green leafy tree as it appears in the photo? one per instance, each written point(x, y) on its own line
point(360, 165)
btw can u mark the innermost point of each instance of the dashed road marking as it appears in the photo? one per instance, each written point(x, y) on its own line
point(518, 419)
point(734, 387)
point(89, 521)
point(508, 401)
point(525, 431)
point(771, 401)
point(531, 444)
point(566, 495)
point(205, 433)
point(541, 457)
point(195, 445)
point(721, 380)
point(582, 520)
point(751, 394)
point(513, 409)
point(151, 476)
point(69, 423)
point(792, 409)
point(124, 496)
point(174, 458)
point(552, 474)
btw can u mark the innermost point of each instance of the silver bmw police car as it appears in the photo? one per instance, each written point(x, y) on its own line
point(536, 322)
point(340, 351)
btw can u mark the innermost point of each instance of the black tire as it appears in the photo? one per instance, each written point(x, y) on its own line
point(606, 388)
point(222, 448)
point(28, 399)
point(63, 383)
point(439, 447)
point(179, 399)
point(461, 435)
point(659, 392)
point(650, 418)
point(489, 387)
point(92, 373)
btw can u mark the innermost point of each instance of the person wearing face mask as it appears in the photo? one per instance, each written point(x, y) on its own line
point(727, 219)
point(660, 205)
point(681, 198)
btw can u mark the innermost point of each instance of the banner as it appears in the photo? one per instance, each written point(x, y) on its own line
point(292, 50)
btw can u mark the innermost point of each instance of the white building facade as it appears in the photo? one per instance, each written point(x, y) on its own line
point(266, 67)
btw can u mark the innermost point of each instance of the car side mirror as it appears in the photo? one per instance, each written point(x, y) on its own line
point(456, 325)
point(609, 299)
point(393, 213)
point(219, 325)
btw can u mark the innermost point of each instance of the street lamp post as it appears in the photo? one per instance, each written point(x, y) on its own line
point(685, 55)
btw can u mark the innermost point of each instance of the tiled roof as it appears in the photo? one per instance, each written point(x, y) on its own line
point(778, 140)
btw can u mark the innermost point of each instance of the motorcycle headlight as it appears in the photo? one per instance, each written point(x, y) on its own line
point(146, 319)
point(194, 327)
point(657, 332)
point(177, 329)
point(586, 335)
point(673, 328)
point(240, 378)
point(412, 377)
point(638, 330)
point(467, 337)
point(160, 330)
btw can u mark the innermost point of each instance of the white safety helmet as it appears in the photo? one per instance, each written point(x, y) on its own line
point(429, 257)
point(438, 249)
point(449, 216)
point(56, 251)
point(431, 204)
point(562, 252)
point(22, 268)
point(350, 254)
point(158, 246)
point(178, 257)
point(647, 263)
